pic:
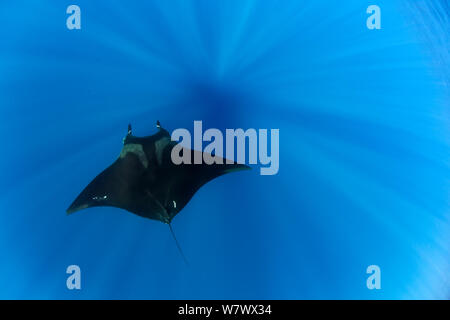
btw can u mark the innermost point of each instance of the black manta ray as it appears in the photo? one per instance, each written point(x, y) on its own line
point(145, 181)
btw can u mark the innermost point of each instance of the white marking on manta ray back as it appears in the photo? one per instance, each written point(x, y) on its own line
point(137, 149)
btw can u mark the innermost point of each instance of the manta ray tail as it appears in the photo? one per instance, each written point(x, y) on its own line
point(178, 244)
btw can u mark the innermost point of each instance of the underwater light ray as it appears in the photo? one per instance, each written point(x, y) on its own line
point(432, 22)
point(232, 37)
point(340, 217)
point(188, 49)
point(369, 199)
point(132, 50)
point(394, 198)
point(106, 34)
point(261, 38)
point(269, 41)
point(394, 140)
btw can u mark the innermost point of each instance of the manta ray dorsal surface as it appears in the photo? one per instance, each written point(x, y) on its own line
point(137, 149)
point(145, 181)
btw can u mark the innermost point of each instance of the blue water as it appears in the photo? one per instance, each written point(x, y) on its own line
point(364, 147)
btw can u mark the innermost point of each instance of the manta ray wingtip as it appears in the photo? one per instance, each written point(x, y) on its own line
point(238, 167)
point(71, 210)
point(76, 206)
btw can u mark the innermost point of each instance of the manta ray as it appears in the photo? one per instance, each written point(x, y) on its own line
point(144, 180)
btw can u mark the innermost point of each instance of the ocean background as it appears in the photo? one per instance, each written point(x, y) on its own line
point(364, 147)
